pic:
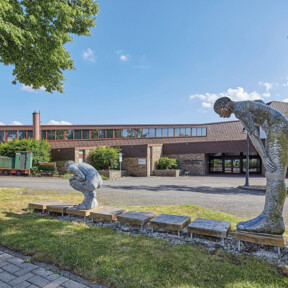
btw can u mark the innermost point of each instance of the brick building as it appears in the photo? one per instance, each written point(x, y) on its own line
point(200, 148)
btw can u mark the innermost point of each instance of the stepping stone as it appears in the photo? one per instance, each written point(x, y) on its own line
point(107, 213)
point(209, 227)
point(42, 204)
point(136, 218)
point(61, 207)
point(264, 239)
point(83, 213)
point(170, 222)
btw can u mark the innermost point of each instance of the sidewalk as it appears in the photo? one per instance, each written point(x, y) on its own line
point(18, 273)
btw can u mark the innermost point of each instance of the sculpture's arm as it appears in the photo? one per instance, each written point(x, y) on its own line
point(248, 123)
point(75, 170)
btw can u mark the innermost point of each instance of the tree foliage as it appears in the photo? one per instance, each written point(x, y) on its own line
point(39, 148)
point(167, 163)
point(103, 157)
point(33, 34)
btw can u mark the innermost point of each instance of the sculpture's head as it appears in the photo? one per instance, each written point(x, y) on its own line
point(68, 163)
point(223, 106)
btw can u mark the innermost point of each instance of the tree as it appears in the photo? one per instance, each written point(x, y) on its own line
point(167, 163)
point(103, 157)
point(33, 34)
point(39, 148)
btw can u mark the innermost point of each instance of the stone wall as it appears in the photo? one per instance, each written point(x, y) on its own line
point(112, 174)
point(154, 154)
point(196, 164)
point(168, 173)
point(134, 168)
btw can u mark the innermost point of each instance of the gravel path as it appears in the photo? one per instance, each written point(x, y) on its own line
point(218, 193)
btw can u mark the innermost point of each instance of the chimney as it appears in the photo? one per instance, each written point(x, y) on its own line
point(36, 125)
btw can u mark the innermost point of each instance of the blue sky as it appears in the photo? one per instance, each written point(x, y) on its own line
point(163, 62)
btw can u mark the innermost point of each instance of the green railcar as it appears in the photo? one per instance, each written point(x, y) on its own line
point(19, 165)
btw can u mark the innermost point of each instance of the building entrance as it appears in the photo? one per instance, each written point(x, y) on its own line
point(234, 164)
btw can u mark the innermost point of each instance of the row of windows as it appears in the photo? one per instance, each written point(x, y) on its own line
point(121, 133)
point(20, 134)
point(104, 133)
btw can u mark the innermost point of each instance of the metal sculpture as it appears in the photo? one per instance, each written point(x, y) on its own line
point(86, 179)
point(274, 156)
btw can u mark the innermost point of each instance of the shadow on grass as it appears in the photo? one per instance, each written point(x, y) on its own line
point(119, 260)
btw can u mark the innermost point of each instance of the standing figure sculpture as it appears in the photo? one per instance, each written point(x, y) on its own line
point(274, 156)
point(86, 179)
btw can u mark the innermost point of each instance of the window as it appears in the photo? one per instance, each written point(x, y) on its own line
point(94, 133)
point(29, 134)
point(204, 131)
point(117, 133)
point(170, 132)
point(109, 133)
point(145, 132)
point(2, 136)
point(138, 132)
point(164, 132)
point(177, 132)
point(44, 134)
point(59, 134)
point(199, 133)
point(182, 132)
point(22, 134)
point(85, 134)
point(69, 135)
point(125, 133)
point(131, 132)
point(77, 134)
point(194, 132)
point(151, 132)
point(50, 134)
point(188, 132)
point(158, 132)
point(11, 135)
point(101, 133)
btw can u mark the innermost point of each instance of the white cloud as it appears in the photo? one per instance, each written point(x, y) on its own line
point(16, 123)
point(285, 100)
point(237, 94)
point(30, 88)
point(268, 86)
point(207, 105)
point(1, 123)
point(124, 58)
point(53, 122)
point(88, 55)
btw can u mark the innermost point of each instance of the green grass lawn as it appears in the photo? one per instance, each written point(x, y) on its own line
point(119, 260)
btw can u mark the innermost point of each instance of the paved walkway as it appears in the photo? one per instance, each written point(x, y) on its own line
point(16, 273)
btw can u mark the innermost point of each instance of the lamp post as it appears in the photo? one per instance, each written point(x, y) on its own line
point(247, 161)
point(247, 158)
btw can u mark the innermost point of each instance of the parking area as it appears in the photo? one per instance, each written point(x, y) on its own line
point(214, 192)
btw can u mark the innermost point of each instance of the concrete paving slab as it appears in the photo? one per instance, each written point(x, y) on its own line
point(83, 213)
point(136, 217)
point(107, 213)
point(170, 222)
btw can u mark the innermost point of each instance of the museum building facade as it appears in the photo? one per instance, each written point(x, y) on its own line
point(201, 149)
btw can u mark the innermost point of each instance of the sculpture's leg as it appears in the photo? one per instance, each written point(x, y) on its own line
point(270, 221)
point(89, 202)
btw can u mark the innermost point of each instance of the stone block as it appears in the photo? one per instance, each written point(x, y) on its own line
point(107, 213)
point(264, 239)
point(170, 222)
point(136, 217)
point(83, 213)
point(210, 227)
point(61, 207)
point(38, 281)
point(42, 205)
point(6, 277)
point(11, 268)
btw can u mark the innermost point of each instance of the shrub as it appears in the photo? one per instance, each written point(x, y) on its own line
point(39, 148)
point(103, 157)
point(167, 163)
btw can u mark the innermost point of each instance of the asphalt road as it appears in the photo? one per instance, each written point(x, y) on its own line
point(218, 193)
